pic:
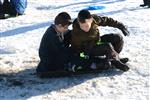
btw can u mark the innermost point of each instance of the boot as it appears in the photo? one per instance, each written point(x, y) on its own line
point(119, 65)
point(124, 60)
point(101, 64)
point(143, 5)
point(104, 66)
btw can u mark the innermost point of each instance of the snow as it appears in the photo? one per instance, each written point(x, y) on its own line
point(19, 42)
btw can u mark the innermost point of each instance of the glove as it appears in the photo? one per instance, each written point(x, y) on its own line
point(125, 31)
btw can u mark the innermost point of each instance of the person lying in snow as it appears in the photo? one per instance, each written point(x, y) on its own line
point(12, 7)
point(86, 38)
point(57, 57)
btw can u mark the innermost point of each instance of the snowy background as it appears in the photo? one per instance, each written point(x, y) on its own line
point(20, 39)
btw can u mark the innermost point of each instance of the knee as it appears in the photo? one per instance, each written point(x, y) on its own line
point(118, 37)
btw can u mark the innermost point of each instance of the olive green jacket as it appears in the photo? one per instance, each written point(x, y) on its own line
point(83, 41)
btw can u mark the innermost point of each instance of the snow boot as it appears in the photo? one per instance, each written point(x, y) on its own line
point(119, 65)
point(124, 60)
point(101, 64)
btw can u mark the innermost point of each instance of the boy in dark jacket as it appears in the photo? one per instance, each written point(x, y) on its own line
point(86, 38)
point(55, 54)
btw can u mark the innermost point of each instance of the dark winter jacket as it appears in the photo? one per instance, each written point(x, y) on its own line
point(53, 52)
point(82, 41)
point(19, 5)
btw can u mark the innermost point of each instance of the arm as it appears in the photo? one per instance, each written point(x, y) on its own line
point(76, 43)
point(106, 21)
point(67, 39)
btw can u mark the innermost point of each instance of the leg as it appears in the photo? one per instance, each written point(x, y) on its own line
point(6, 5)
point(148, 3)
point(8, 8)
point(111, 54)
point(144, 3)
point(104, 49)
point(1, 4)
point(115, 39)
point(1, 10)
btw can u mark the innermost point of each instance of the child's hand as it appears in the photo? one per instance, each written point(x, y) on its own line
point(125, 31)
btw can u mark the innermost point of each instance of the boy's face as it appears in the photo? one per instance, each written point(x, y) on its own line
point(87, 25)
point(62, 29)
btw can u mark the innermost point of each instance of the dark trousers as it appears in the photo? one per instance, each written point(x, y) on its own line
point(1, 7)
point(7, 8)
point(113, 44)
point(115, 39)
point(146, 2)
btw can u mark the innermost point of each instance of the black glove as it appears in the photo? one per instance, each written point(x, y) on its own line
point(125, 31)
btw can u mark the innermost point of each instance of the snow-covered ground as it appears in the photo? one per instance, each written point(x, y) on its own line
point(20, 38)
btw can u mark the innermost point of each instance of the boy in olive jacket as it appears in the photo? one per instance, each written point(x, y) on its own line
point(86, 38)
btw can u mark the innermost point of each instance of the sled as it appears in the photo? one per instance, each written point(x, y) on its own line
point(54, 74)
point(96, 7)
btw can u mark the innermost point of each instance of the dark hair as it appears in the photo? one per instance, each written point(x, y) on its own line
point(63, 18)
point(83, 15)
